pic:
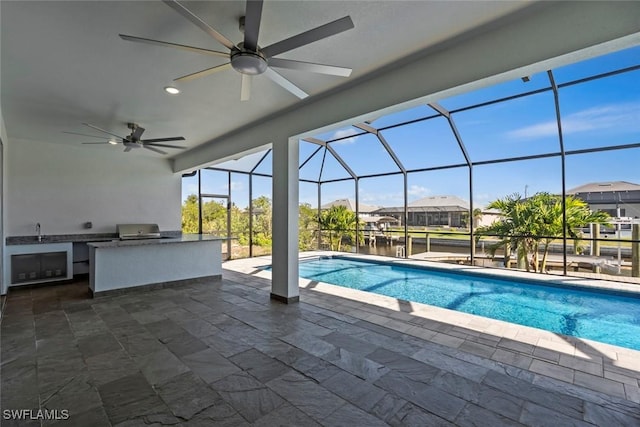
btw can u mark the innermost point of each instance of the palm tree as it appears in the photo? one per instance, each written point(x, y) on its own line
point(340, 222)
point(515, 230)
point(477, 216)
point(578, 215)
point(526, 223)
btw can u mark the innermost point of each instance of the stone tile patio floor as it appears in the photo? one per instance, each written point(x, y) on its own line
point(223, 354)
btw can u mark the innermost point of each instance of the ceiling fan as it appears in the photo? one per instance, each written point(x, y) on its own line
point(248, 58)
point(132, 140)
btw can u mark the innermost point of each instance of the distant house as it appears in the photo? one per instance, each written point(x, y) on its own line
point(488, 217)
point(378, 223)
point(365, 213)
point(438, 211)
point(611, 196)
point(351, 205)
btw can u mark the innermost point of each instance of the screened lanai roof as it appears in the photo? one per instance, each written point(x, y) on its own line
point(436, 201)
point(425, 209)
point(560, 116)
point(603, 187)
point(431, 204)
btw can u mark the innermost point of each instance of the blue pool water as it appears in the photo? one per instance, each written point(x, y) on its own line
point(599, 316)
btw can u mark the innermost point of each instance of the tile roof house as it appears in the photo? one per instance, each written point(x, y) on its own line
point(351, 205)
point(443, 210)
point(611, 196)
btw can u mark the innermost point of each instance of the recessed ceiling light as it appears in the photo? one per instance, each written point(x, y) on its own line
point(172, 90)
point(112, 142)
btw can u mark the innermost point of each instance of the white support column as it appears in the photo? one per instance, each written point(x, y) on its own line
point(284, 282)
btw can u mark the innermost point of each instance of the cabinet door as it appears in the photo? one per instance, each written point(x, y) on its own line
point(53, 264)
point(25, 268)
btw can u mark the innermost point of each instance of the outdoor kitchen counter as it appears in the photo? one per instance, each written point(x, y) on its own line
point(124, 264)
point(185, 238)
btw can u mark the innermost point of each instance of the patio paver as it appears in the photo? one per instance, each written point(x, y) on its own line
point(334, 359)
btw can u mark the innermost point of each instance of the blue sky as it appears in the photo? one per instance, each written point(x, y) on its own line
point(602, 112)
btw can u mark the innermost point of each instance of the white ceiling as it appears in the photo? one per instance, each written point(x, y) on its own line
point(62, 62)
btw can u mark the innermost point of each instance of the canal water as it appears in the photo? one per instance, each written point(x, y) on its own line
point(416, 248)
point(459, 248)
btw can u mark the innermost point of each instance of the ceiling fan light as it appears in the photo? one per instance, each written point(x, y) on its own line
point(248, 63)
point(112, 142)
point(172, 90)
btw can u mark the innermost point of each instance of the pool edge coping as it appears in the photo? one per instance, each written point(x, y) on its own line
point(453, 317)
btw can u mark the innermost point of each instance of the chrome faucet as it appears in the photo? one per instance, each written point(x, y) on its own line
point(38, 229)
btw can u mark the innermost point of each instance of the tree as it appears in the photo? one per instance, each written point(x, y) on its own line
point(476, 215)
point(214, 217)
point(215, 221)
point(307, 227)
point(527, 223)
point(578, 216)
point(340, 222)
point(262, 225)
point(240, 224)
point(512, 230)
point(190, 214)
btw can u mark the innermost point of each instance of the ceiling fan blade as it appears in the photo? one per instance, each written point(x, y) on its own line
point(203, 72)
point(153, 144)
point(199, 23)
point(83, 134)
point(94, 143)
point(253, 15)
point(127, 149)
point(277, 78)
point(155, 149)
point(174, 45)
point(137, 133)
point(245, 87)
point(318, 33)
point(102, 130)
point(310, 66)
point(175, 138)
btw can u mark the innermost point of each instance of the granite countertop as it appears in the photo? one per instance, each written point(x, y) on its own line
point(74, 238)
point(185, 238)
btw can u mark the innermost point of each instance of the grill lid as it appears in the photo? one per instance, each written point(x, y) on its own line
point(138, 231)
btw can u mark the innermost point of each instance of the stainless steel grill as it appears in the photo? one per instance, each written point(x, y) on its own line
point(138, 231)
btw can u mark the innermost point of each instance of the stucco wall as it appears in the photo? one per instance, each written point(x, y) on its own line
point(63, 186)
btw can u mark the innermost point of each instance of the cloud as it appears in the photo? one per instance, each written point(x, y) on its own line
point(625, 116)
point(192, 188)
point(189, 189)
point(379, 199)
point(394, 198)
point(343, 133)
point(482, 199)
point(534, 131)
point(235, 186)
point(418, 191)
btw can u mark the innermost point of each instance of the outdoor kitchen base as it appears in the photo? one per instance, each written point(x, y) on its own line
point(154, 286)
point(134, 263)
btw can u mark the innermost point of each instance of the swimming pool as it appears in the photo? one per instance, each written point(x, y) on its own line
point(600, 316)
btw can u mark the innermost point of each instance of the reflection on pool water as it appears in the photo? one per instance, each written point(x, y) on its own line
point(601, 316)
